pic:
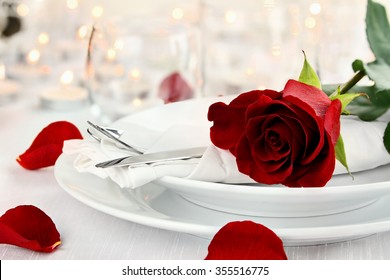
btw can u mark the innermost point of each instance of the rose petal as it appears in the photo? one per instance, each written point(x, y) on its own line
point(47, 146)
point(332, 120)
point(314, 97)
point(245, 240)
point(174, 88)
point(259, 171)
point(29, 227)
point(229, 120)
point(311, 121)
point(318, 172)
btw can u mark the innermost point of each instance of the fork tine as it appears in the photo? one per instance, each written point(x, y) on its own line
point(113, 137)
point(93, 135)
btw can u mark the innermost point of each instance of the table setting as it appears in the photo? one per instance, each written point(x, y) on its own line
point(162, 135)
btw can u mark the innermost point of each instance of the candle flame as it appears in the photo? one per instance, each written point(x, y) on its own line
point(119, 44)
point(67, 77)
point(72, 4)
point(315, 8)
point(82, 32)
point(230, 16)
point(111, 55)
point(43, 38)
point(177, 13)
point(2, 72)
point(249, 72)
point(310, 22)
point(276, 50)
point(22, 10)
point(97, 12)
point(33, 56)
point(137, 102)
point(135, 74)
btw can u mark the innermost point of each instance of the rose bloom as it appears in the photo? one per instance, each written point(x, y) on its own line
point(285, 137)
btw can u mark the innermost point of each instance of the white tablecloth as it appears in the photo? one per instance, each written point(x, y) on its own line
point(89, 234)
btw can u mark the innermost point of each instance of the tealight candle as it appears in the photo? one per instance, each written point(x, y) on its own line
point(8, 88)
point(133, 87)
point(31, 69)
point(65, 96)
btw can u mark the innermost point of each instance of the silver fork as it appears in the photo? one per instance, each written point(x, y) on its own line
point(113, 134)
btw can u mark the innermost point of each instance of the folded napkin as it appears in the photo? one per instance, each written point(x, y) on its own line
point(184, 125)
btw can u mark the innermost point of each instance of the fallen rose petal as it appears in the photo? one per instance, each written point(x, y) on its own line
point(47, 146)
point(245, 240)
point(174, 88)
point(29, 227)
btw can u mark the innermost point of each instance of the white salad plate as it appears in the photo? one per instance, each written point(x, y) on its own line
point(342, 193)
point(156, 206)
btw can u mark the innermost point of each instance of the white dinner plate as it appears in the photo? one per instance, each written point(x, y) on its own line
point(342, 193)
point(154, 205)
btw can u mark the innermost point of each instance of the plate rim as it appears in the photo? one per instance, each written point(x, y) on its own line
point(290, 236)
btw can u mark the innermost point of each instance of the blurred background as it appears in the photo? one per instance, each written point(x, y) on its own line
point(134, 54)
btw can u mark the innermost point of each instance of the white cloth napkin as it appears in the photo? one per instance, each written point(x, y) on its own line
point(363, 143)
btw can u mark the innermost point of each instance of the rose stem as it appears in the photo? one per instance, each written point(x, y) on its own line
point(353, 81)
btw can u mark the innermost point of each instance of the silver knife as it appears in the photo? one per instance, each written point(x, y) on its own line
point(154, 157)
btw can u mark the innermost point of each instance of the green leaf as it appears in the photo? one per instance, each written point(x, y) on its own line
point(379, 72)
point(308, 75)
point(366, 110)
point(386, 138)
point(340, 153)
point(381, 98)
point(378, 30)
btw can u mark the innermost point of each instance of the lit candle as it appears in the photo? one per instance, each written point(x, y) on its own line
point(33, 56)
point(83, 32)
point(43, 38)
point(177, 14)
point(31, 69)
point(8, 88)
point(136, 85)
point(65, 96)
point(97, 12)
point(240, 81)
point(72, 4)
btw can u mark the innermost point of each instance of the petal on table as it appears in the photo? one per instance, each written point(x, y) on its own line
point(245, 240)
point(29, 227)
point(47, 146)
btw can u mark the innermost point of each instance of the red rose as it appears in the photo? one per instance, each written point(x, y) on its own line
point(283, 137)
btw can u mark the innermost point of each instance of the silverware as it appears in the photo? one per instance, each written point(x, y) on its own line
point(154, 157)
point(113, 134)
point(98, 138)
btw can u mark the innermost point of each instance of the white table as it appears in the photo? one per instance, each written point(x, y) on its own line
point(89, 234)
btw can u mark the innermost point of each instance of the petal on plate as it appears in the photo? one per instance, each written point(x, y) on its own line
point(29, 227)
point(47, 145)
point(245, 240)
